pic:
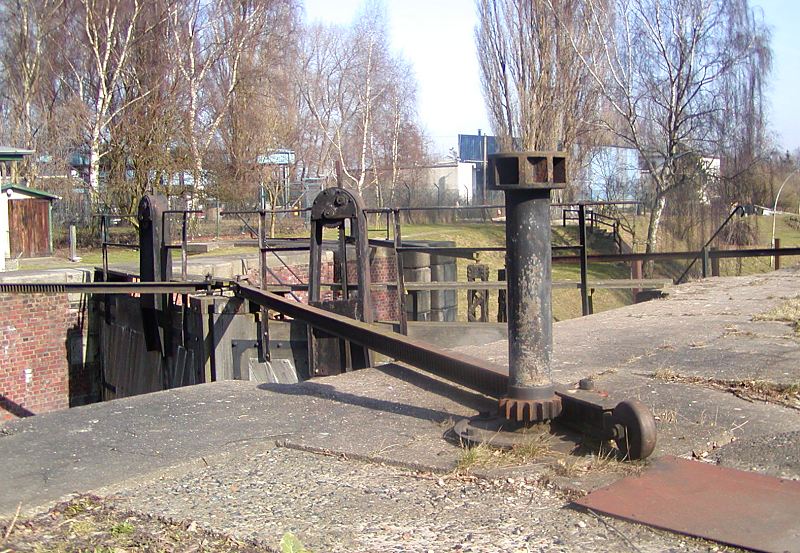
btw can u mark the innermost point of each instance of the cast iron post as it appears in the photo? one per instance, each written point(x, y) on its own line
point(584, 259)
point(526, 178)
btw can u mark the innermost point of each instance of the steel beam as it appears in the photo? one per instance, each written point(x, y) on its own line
point(470, 372)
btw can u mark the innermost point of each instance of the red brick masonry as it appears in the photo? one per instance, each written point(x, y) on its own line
point(34, 368)
point(35, 372)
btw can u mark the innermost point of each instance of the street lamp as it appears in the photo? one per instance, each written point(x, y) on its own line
point(775, 207)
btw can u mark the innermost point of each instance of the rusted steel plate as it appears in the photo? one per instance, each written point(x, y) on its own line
point(730, 506)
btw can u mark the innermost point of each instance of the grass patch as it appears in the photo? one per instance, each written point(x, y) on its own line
point(787, 312)
point(122, 529)
point(90, 524)
point(485, 456)
point(602, 458)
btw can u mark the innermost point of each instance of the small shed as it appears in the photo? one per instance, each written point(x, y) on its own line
point(26, 221)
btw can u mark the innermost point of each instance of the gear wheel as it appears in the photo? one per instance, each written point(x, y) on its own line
point(530, 410)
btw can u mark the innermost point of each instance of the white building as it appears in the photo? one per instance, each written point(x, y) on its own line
point(453, 181)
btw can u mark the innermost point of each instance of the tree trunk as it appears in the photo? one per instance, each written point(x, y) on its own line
point(94, 170)
point(652, 230)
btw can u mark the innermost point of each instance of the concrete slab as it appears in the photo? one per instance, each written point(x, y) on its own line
point(388, 418)
point(210, 451)
point(706, 329)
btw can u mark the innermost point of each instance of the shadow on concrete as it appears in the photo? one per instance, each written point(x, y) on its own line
point(329, 392)
point(14, 408)
point(467, 398)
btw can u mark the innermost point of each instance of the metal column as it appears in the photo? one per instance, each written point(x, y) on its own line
point(526, 179)
point(584, 259)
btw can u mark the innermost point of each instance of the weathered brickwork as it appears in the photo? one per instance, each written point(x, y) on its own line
point(383, 268)
point(43, 362)
point(34, 366)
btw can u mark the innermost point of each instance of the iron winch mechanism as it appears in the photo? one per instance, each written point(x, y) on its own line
point(526, 179)
point(341, 334)
point(526, 393)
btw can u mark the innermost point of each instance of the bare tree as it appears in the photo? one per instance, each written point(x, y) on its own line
point(536, 90)
point(741, 133)
point(24, 54)
point(141, 152)
point(104, 32)
point(360, 99)
point(658, 65)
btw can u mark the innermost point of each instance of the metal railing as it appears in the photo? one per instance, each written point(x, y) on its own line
point(704, 253)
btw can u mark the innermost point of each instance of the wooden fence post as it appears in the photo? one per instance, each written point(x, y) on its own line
point(636, 274)
point(714, 264)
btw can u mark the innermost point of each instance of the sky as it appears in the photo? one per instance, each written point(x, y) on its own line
point(437, 38)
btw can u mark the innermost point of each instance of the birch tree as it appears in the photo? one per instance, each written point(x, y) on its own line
point(211, 43)
point(359, 98)
point(104, 31)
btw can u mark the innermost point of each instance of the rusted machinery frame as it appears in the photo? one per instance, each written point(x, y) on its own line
point(465, 370)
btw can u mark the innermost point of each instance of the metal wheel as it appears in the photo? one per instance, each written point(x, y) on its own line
point(639, 439)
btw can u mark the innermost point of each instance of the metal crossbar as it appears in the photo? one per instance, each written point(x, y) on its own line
point(465, 370)
point(106, 287)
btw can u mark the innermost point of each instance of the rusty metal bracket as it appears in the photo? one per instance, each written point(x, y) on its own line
point(334, 208)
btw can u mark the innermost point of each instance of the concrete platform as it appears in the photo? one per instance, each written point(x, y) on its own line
point(359, 461)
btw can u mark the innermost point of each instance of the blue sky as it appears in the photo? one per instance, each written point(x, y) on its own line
point(437, 37)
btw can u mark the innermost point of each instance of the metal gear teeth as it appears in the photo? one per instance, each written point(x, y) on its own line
point(530, 410)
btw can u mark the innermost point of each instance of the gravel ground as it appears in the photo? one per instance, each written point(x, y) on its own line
point(89, 524)
point(337, 504)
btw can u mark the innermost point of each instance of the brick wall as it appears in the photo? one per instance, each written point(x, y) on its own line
point(34, 366)
point(383, 268)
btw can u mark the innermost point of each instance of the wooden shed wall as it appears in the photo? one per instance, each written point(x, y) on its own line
point(29, 227)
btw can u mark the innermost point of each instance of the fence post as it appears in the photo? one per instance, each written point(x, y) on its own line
point(705, 262)
point(478, 298)
point(636, 274)
point(563, 217)
point(217, 219)
point(714, 264)
point(777, 256)
point(104, 238)
point(584, 260)
point(401, 288)
point(502, 306)
point(73, 244)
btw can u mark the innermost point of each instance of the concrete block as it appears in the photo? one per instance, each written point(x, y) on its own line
point(423, 301)
point(444, 273)
point(425, 317)
point(277, 371)
point(438, 299)
point(444, 315)
point(417, 275)
point(416, 260)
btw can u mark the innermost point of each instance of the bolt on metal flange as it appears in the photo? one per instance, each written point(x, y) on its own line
point(526, 178)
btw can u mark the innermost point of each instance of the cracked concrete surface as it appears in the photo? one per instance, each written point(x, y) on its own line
point(366, 467)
